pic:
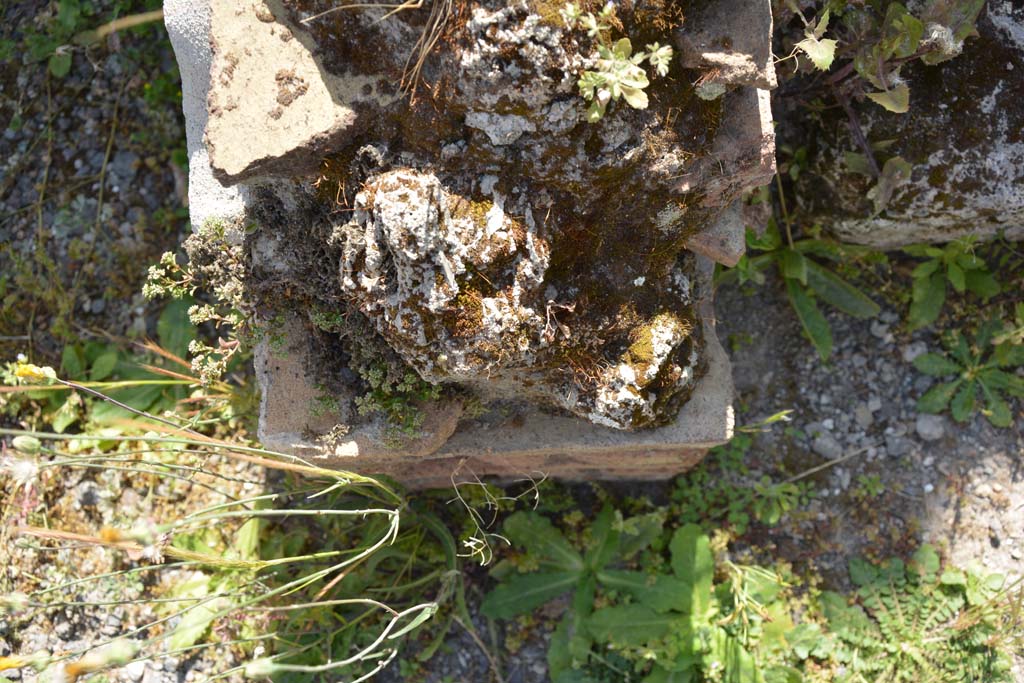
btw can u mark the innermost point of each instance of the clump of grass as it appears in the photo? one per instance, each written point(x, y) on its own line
point(250, 584)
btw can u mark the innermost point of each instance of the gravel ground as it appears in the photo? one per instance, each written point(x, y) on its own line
point(958, 486)
point(89, 193)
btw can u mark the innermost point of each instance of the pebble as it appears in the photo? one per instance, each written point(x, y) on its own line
point(913, 350)
point(881, 331)
point(897, 446)
point(135, 670)
point(930, 427)
point(983, 490)
point(827, 446)
point(862, 414)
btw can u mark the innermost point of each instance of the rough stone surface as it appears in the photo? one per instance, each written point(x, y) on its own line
point(272, 107)
point(480, 233)
point(511, 441)
point(963, 137)
point(728, 42)
point(188, 25)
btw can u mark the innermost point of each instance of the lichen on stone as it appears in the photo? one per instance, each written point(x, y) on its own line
point(490, 239)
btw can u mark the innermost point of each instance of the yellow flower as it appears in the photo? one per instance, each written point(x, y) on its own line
point(30, 371)
point(12, 663)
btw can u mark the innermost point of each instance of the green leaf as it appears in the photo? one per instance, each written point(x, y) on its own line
point(926, 562)
point(194, 624)
point(623, 48)
point(138, 397)
point(896, 100)
point(814, 323)
point(417, 621)
point(60, 64)
point(956, 277)
point(635, 97)
point(103, 366)
point(805, 640)
point(68, 13)
point(997, 410)
point(72, 362)
point(661, 675)
point(794, 265)
point(604, 540)
point(659, 592)
point(821, 51)
point(894, 174)
point(857, 163)
point(901, 32)
point(938, 397)
point(174, 329)
point(247, 538)
point(638, 532)
point(769, 240)
point(927, 297)
point(525, 593)
point(839, 293)
point(862, 572)
point(982, 283)
point(66, 415)
point(925, 269)
point(953, 577)
point(962, 406)
point(935, 365)
point(559, 659)
point(539, 537)
point(693, 564)
point(629, 625)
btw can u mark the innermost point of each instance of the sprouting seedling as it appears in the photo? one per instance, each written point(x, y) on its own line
point(617, 73)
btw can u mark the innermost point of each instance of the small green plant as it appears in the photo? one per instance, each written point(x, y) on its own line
point(878, 39)
point(617, 73)
point(983, 367)
point(399, 398)
point(907, 622)
point(708, 495)
point(62, 32)
point(868, 486)
point(955, 264)
point(669, 622)
point(806, 281)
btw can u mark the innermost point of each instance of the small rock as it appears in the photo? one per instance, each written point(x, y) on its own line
point(1016, 554)
point(922, 384)
point(930, 427)
point(881, 331)
point(826, 446)
point(135, 671)
point(983, 490)
point(928, 488)
point(897, 446)
point(862, 414)
point(913, 350)
point(874, 404)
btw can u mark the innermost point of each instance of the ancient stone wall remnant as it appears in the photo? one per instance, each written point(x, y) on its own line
point(426, 196)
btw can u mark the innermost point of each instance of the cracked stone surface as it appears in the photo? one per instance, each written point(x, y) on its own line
point(477, 230)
